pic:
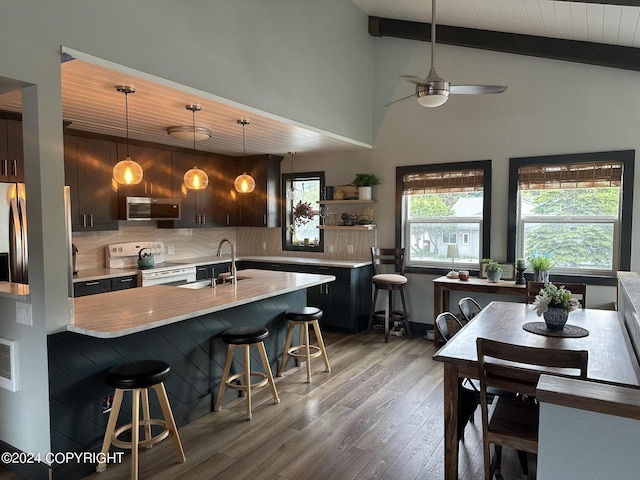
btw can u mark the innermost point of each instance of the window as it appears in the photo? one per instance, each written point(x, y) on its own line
point(301, 193)
point(574, 208)
point(440, 205)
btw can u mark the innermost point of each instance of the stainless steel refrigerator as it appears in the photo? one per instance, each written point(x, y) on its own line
point(14, 257)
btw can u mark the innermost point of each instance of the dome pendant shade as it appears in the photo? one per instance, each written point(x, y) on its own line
point(196, 179)
point(127, 172)
point(244, 183)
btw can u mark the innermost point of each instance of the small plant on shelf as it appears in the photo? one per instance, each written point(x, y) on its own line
point(491, 266)
point(365, 180)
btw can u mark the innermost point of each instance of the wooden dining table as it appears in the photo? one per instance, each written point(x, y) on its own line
point(610, 356)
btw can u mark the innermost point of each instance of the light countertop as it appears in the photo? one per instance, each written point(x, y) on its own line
point(17, 291)
point(115, 314)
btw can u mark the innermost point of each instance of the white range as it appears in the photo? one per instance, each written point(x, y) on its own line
point(125, 255)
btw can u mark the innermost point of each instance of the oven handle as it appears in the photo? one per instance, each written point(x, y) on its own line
point(165, 273)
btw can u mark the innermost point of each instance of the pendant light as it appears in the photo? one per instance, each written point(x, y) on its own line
point(127, 171)
point(195, 179)
point(291, 192)
point(244, 183)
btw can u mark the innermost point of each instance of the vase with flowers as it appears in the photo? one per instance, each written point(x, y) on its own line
point(554, 304)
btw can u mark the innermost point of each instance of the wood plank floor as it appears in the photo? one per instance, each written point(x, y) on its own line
point(377, 415)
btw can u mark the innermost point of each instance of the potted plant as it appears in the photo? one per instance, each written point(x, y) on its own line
point(540, 264)
point(554, 304)
point(364, 182)
point(492, 269)
point(302, 213)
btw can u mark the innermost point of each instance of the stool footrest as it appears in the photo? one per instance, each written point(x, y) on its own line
point(142, 443)
point(264, 380)
point(314, 351)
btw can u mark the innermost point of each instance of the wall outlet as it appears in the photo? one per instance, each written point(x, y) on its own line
point(23, 314)
point(264, 245)
point(330, 248)
point(171, 249)
point(349, 249)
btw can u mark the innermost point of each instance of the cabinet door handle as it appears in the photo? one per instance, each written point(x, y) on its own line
point(5, 168)
point(126, 280)
point(227, 219)
point(83, 222)
point(91, 220)
point(90, 284)
point(151, 188)
point(14, 164)
point(265, 219)
point(204, 219)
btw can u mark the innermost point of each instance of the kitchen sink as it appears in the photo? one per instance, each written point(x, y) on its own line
point(206, 283)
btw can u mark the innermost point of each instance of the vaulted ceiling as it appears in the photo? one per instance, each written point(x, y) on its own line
point(602, 33)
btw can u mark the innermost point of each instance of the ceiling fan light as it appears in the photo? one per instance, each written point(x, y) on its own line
point(186, 132)
point(244, 183)
point(196, 179)
point(433, 100)
point(127, 172)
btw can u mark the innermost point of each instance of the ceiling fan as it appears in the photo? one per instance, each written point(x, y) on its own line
point(434, 91)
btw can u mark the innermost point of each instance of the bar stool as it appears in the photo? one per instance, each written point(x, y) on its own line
point(245, 338)
point(139, 377)
point(304, 317)
point(391, 282)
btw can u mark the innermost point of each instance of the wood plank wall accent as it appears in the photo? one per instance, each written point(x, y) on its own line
point(193, 348)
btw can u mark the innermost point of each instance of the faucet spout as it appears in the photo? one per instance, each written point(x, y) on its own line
point(233, 257)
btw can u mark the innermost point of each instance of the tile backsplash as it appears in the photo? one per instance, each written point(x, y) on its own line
point(198, 242)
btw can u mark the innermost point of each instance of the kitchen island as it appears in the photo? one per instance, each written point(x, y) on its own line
point(178, 325)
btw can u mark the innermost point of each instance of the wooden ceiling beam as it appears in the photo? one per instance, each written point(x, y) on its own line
point(613, 56)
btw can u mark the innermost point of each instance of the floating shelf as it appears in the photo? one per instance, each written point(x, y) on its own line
point(346, 227)
point(353, 202)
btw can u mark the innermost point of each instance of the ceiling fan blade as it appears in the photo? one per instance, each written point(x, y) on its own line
point(414, 79)
point(477, 89)
point(400, 99)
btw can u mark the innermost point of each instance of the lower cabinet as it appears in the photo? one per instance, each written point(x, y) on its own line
point(93, 287)
point(345, 302)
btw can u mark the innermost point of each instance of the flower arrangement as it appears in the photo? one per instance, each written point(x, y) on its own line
point(540, 263)
point(302, 213)
point(551, 296)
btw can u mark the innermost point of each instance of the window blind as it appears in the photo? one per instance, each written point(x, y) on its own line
point(416, 183)
point(570, 175)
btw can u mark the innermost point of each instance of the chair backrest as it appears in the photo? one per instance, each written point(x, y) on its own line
point(577, 290)
point(444, 322)
point(387, 256)
point(517, 368)
point(469, 308)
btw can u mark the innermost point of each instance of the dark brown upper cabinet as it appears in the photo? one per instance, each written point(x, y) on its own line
point(261, 208)
point(156, 168)
point(11, 151)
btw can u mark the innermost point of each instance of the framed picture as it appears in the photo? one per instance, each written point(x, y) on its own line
point(508, 271)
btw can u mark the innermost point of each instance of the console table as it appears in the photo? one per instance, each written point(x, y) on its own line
point(443, 285)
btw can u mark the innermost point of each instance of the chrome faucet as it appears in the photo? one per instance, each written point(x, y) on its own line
point(233, 258)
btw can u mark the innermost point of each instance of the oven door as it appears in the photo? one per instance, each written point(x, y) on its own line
point(176, 276)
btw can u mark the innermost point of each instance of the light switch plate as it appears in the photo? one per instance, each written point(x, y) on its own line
point(23, 314)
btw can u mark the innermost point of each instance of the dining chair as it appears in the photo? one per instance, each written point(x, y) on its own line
point(577, 290)
point(469, 308)
point(513, 421)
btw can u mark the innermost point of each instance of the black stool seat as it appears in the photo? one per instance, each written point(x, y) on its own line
point(304, 314)
point(140, 374)
point(244, 335)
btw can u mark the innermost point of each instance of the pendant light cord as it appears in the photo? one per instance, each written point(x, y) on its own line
point(126, 106)
point(433, 32)
point(193, 113)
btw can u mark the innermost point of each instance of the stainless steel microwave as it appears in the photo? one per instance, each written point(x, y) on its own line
point(145, 208)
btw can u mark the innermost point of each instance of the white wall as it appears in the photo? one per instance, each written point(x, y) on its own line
point(304, 60)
